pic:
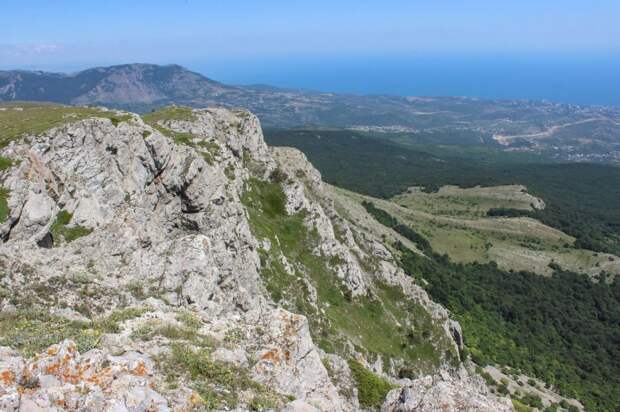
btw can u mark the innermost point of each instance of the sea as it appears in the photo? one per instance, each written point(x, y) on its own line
point(577, 78)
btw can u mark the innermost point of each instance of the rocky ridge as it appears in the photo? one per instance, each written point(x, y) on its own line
point(175, 262)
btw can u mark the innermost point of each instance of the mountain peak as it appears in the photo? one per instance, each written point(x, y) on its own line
point(127, 85)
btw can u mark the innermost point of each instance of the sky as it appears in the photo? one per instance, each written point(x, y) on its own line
point(271, 41)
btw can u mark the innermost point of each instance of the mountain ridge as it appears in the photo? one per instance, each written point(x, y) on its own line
point(175, 262)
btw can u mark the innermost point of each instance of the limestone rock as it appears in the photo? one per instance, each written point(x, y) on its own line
point(159, 228)
point(61, 379)
point(431, 394)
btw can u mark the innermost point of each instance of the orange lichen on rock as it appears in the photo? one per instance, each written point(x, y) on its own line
point(196, 400)
point(52, 369)
point(272, 356)
point(139, 370)
point(8, 377)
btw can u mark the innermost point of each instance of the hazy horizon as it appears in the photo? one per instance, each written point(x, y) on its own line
point(565, 51)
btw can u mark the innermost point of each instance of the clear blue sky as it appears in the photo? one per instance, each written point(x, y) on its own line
point(248, 41)
point(76, 32)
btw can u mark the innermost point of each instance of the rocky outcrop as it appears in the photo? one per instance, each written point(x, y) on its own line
point(443, 393)
point(62, 379)
point(133, 239)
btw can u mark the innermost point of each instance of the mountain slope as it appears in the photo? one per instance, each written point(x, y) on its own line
point(175, 262)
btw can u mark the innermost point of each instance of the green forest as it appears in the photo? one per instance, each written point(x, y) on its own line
point(563, 329)
point(582, 200)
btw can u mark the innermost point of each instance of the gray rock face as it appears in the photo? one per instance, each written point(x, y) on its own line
point(431, 394)
point(158, 223)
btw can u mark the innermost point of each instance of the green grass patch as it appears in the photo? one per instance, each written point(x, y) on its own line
point(21, 119)
point(4, 205)
point(190, 320)
point(111, 323)
point(371, 389)
point(61, 229)
point(172, 332)
point(116, 120)
point(33, 330)
point(519, 407)
point(170, 113)
point(5, 163)
point(217, 383)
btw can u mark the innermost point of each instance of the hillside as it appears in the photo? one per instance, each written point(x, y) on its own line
point(455, 222)
point(560, 131)
point(582, 199)
point(175, 262)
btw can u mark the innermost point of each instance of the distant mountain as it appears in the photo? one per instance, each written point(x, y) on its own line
point(511, 124)
point(131, 84)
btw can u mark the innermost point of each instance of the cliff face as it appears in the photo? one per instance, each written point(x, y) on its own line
point(175, 262)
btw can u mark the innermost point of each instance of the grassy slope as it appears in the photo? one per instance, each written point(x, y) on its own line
point(456, 224)
point(388, 324)
point(583, 200)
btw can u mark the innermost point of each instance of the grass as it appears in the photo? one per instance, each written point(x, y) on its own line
point(371, 388)
point(5, 163)
point(116, 120)
point(208, 149)
point(170, 331)
point(4, 206)
point(468, 235)
point(519, 407)
point(169, 113)
point(61, 229)
point(189, 320)
point(33, 330)
point(386, 324)
point(19, 119)
point(472, 202)
point(218, 384)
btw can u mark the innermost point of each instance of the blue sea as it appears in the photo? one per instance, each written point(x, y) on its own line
point(589, 79)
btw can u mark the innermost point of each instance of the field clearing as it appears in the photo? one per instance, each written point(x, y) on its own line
point(454, 221)
point(469, 202)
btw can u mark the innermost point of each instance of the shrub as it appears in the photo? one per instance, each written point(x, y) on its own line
point(278, 176)
point(371, 389)
point(519, 407)
point(61, 230)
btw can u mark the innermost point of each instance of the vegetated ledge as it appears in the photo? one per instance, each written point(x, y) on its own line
point(18, 119)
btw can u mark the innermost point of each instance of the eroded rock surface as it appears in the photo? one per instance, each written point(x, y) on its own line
point(436, 393)
point(136, 242)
